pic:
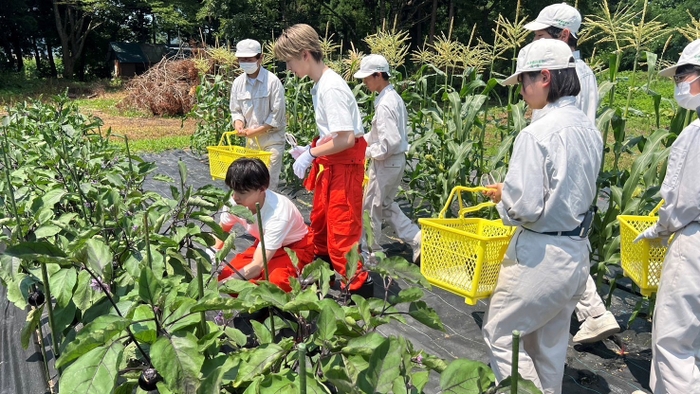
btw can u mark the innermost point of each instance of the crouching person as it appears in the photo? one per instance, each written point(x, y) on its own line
point(282, 223)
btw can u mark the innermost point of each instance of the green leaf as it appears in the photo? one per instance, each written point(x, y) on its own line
point(98, 255)
point(33, 319)
point(62, 285)
point(97, 333)
point(236, 335)
point(178, 361)
point(48, 199)
point(216, 303)
point(82, 297)
point(46, 231)
point(364, 345)
point(94, 372)
point(259, 362)
point(420, 311)
point(466, 376)
point(407, 295)
point(144, 326)
point(262, 332)
point(327, 324)
point(306, 300)
point(150, 287)
point(34, 250)
point(383, 368)
point(524, 386)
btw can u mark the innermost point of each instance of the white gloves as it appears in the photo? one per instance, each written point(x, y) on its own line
point(302, 163)
point(652, 233)
point(297, 151)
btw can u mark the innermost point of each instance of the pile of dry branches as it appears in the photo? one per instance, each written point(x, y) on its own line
point(168, 88)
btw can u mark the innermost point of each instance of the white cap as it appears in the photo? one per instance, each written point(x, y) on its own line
point(690, 55)
point(248, 48)
point(546, 54)
point(562, 16)
point(371, 64)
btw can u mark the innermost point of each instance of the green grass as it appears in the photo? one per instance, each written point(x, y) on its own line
point(108, 105)
point(158, 145)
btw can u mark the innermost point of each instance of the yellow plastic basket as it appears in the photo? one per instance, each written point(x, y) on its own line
point(642, 261)
point(463, 255)
point(221, 156)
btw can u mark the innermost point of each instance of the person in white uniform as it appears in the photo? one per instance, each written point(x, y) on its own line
point(387, 144)
point(562, 22)
point(675, 363)
point(258, 107)
point(547, 193)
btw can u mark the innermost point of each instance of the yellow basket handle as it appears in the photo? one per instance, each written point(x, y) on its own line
point(656, 208)
point(464, 210)
point(227, 136)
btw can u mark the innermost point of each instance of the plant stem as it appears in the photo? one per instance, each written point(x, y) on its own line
point(11, 190)
point(302, 368)
point(264, 256)
point(514, 370)
point(200, 285)
point(45, 360)
point(49, 307)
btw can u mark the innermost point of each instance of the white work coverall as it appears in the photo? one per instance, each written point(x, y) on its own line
point(550, 185)
point(386, 147)
point(258, 102)
point(590, 305)
point(675, 364)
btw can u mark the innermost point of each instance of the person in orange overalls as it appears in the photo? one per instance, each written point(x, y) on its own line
point(336, 157)
point(283, 227)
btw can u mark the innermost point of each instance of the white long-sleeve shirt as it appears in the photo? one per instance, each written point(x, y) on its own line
point(551, 179)
point(681, 189)
point(587, 99)
point(388, 134)
point(259, 101)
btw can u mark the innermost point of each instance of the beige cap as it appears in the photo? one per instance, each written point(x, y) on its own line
point(248, 48)
point(371, 64)
point(562, 16)
point(690, 55)
point(545, 54)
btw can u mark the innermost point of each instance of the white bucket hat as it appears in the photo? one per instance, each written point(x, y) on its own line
point(562, 16)
point(690, 55)
point(248, 48)
point(371, 64)
point(546, 54)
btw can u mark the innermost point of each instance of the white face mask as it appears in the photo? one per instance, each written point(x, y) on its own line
point(249, 67)
point(684, 98)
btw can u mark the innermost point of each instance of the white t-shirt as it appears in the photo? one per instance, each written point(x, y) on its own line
point(282, 221)
point(587, 99)
point(335, 106)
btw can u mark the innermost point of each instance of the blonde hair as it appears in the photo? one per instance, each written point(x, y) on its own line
point(293, 41)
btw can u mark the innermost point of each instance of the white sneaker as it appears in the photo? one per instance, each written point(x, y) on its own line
point(596, 329)
point(639, 392)
point(417, 239)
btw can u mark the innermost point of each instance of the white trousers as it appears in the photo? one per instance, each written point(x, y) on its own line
point(590, 305)
point(275, 168)
point(541, 280)
point(380, 192)
point(675, 364)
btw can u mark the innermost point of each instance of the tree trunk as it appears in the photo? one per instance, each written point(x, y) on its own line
point(8, 51)
point(18, 51)
point(433, 19)
point(52, 63)
point(73, 33)
point(37, 57)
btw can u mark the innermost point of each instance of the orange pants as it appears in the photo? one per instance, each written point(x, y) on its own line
point(336, 216)
point(280, 266)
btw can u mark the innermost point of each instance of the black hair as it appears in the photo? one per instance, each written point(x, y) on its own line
point(247, 174)
point(555, 32)
point(687, 69)
point(384, 75)
point(564, 82)
point(258, 56)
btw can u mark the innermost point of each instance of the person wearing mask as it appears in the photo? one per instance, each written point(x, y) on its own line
point(562, 22)
point(258, 107)
point(387, 144)
point(675, 363)
point(547, 194)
